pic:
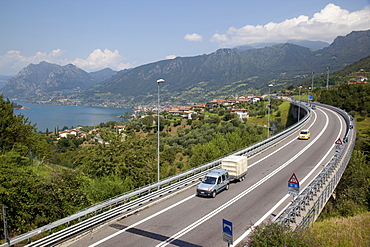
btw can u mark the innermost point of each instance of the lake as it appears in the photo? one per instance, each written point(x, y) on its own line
point(51, 116)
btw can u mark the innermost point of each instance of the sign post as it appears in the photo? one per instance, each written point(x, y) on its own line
point(227, 229)
point(293, 185)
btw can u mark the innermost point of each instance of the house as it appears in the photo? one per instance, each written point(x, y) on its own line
point(120, 128)
point(174, 111)
point(216, 102)
point(243, 98)
point(98, 138)
point(82, 135)
point(200, 106)
point(361, 79)
point(243, 113)
point(358, 80)
point(183, 111)
point(255, 99)
point(187, 114)
point(184, 108)
point(68, 132)
point(232, 101)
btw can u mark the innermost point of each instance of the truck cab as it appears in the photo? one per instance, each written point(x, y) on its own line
point(214, 182)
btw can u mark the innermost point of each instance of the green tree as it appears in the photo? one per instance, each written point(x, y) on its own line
point(13, 129)
point(34, 198)
point(353, 190)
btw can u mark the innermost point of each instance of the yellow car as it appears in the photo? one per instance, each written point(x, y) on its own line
point(304, 134)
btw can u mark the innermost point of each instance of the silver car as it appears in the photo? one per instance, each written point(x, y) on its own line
point(214, 182)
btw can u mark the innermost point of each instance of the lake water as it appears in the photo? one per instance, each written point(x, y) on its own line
point(51, 116)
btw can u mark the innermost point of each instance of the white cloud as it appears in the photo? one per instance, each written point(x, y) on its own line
point(99, 59)
point(326, 25)
point(171, 57)
point(219, 38)
point(13, 61)
point(193, 37)
point(56, 53)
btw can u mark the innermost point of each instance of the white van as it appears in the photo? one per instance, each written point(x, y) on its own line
point(214, 182)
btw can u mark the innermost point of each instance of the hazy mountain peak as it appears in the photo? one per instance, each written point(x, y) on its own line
point(317, 45)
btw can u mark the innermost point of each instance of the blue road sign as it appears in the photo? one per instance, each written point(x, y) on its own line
point(227, 228)
point(291, 185)
point(310, 97)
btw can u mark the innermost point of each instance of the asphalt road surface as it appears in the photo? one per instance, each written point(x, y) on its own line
point(185, 219)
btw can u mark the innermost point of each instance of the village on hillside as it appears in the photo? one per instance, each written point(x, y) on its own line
point(189, 112)
point(186, 112)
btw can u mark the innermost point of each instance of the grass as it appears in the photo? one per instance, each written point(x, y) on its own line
point(363, 126)
point(262, 120)
point(333, 232)
point(284, 110)
point(340, 231)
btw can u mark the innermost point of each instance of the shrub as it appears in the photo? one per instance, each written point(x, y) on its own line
point(275, 234)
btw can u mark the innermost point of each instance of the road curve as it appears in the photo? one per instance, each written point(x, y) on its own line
point(188, 220)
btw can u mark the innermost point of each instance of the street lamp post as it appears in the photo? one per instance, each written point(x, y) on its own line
point(158, 167)
point(268, 112)
point(327, 77)
point(313, 74)
point(311, 90)
point(299, 103)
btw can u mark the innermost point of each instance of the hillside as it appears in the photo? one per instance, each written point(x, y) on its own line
point(227, 72)
point(45, 81)
point(221, 74)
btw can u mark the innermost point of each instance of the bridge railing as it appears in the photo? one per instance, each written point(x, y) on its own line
point(307, 206)
point(132, 201)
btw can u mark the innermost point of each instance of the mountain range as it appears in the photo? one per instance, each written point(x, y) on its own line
point(305, 43)
point(223, 73)
point(45, 80)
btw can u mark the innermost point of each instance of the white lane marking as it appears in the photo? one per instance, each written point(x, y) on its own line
point(141, 221)
point(277, 150)
point(327, 153)
point(245, 192)
point(245, 234)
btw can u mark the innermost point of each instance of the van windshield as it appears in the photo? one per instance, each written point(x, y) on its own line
point(209, 180)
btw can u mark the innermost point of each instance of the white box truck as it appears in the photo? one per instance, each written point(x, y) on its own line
point(237, 166)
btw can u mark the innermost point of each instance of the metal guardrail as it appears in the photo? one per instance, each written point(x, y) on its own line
point(128, 202)
point(305, 208)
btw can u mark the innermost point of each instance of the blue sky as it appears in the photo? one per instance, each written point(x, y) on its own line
point(127, 33)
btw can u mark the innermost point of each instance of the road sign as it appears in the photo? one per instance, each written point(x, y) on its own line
point(339, 142)
point(293, 185)
point(310, 97)
point(293, 179)
point(227, 229)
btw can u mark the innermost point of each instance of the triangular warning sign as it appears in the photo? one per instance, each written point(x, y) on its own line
point(293, 179)
point(339, 142)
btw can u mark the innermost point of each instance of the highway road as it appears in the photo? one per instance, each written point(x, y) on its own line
point(185, 219)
